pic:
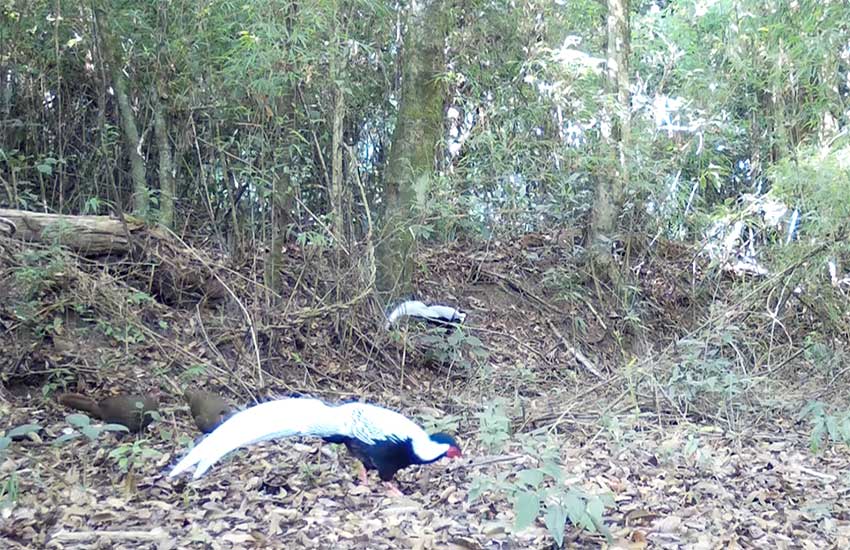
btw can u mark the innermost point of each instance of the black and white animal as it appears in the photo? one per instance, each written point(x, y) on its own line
point(436, 314)
point(381, 439)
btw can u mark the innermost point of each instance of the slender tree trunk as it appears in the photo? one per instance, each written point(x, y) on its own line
point(417, 133)
point(618, 74)
point(166, 165)
point(337, 192)
point(612, 183)
point(283, 189)
point(110, 47)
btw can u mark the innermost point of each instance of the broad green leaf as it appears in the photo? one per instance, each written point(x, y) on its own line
point(474, 341)
point(556, 520)
point(530, 477)
point(23, 430)
point(553, 470)
point(526, 508)
point(832, 427)
point(595, 509)
point(90, 431)
point(575, 507)
point(78, 420)
point(66, 437)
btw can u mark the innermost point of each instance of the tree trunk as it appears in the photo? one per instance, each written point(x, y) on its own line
point(611, 183)
point(283, 189)
point(110, 47)
point(337, 191)
point(417, 133)
point(166, 166)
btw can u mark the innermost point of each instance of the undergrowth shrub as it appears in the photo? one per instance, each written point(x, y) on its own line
point(703, 374)
point(539, 493)
point(825, 427)
point(39, 270)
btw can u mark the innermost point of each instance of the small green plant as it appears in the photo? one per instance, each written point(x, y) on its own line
point(568, 283)
point(703, 373)
point(822, 357)
point(127, 334)
point(138, 298)
point(312, 239)
point(455, 348)
point(541, 492)
point(447, 423)
point(39, 270)
point(95, 205)
point(9, 491)
point(81, 425)
point(831, 427)
point(20, 431)
point(495, 426)
point(194, 372)
point(127, 455)
point(308, 471)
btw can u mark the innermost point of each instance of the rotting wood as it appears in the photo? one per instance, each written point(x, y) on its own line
point(87, 235)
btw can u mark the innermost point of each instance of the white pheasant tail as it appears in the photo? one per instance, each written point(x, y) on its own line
point(307, 417)
point(270, 420)
point(415, 308)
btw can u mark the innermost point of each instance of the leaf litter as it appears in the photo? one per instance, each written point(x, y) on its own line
point(683, 484)
point(753, 490)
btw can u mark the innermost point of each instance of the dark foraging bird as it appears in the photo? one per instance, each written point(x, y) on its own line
point(209, 410)
point(132, 411)
point(381, 439)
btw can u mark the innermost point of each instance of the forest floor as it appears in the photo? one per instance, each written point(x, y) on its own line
point(735, 477)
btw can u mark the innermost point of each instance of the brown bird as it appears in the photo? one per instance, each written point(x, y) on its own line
point(208, 409)
point(132, 411)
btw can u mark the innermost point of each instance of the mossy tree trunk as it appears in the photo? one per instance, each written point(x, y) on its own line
point(166, 165)
point(611, 183)
point(110, 47)
point(416, 136)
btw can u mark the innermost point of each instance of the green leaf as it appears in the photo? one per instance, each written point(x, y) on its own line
point(474, 341)
point(118, 452)
point(66, 437)
point(832, 427)
point(553, 470)
point(45, 169)
point(5, 442)
point(78, 420)
point(531, 477)
point(556, 522)
point(150, 453)
point(477, 488)
point(90, 431)
point(23, 430)
point(526, 508)
point(595, 509)
point(575, 507)
point(115, 428)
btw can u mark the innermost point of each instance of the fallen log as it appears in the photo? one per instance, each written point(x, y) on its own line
point(173, 273)
point(85, 235)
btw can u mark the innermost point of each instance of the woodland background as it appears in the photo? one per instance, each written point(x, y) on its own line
point(643, 207)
